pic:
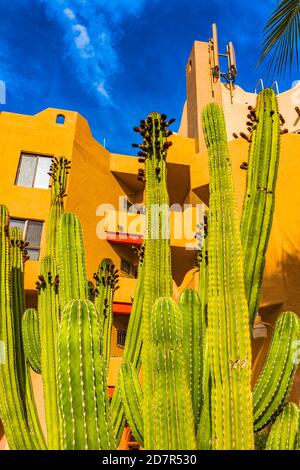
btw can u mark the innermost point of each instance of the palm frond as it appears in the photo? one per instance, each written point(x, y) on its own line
point(282, 36)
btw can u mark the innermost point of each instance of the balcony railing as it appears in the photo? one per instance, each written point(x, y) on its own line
point(126, 228)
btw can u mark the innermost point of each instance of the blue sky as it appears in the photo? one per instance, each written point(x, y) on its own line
point(114, 61)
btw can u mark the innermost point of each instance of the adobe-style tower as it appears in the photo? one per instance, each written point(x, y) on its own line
point(204, 83)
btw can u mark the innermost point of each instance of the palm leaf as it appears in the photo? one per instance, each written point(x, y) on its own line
point(282, 35)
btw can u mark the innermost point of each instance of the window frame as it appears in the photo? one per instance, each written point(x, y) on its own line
point(36, 156)
point(121, 338)
point(131, 267)
point(60, 117)
point(24, 233)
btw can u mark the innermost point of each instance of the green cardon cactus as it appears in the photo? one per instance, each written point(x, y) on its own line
point(228, 318)
point(185, 380)
point(259, 198)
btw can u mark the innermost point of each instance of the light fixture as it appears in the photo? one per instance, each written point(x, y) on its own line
point(259, 329)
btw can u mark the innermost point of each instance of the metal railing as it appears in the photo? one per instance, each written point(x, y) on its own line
point(259, 83)
point(275, 84)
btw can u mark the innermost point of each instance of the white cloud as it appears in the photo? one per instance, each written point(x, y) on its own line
point(101, 89)
point(91, 32)
point(103, 38)
point(69, 14)
point(82, 40)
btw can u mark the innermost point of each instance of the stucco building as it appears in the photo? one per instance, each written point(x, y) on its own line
point(98, 177)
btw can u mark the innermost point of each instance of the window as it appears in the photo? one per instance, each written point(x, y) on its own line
point(121, 338)
point(131, 443)
point(33, 171)
point(127, 267)
point(32, 233)
point(125, 204)
point(60, 119)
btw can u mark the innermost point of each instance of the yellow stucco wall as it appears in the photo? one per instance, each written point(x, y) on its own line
point(98, 177)
point(282, 269)
point(32, 134)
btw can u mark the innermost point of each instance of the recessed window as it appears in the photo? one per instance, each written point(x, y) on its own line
point(127, 267)
point(126, 204)
point(32, 233)
point(60, 119)
point(131, 442)
point(190, 65)
point(121, 338)
point(33, 171)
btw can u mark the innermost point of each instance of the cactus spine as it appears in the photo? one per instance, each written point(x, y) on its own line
point(275, 381)
point(284, 432)
point(259, 199)
point(228, 317)
point(85, 412)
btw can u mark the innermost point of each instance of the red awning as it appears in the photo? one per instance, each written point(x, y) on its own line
point(122, 308)
point(124, 238)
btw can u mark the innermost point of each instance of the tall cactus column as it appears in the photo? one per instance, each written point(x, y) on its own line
point(12, 411)
point(228, 322)
point(204, 425)
point(59, 173)
point(172, 413)
point(49, 320)
point(106, 282)
point(158, 278)
point(86, 421)
point(133, 347)
point(18, 300)
point(193, 346)
point(18, 255)
point(48, 303)
point(71, 260)
point(259, 198)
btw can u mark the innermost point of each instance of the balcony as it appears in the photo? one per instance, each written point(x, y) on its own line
point(121, 238)
point(124, 228)
point(125, 169)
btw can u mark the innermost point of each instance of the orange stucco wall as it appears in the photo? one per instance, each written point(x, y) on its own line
point(282, 269)
point(98, 177)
